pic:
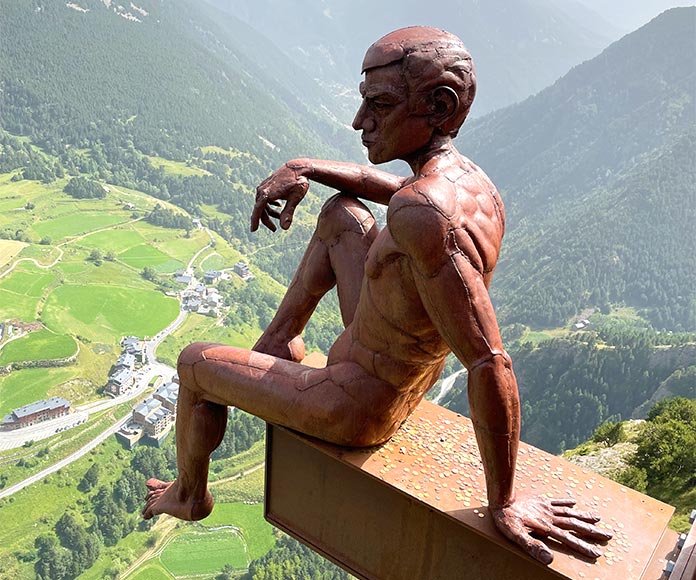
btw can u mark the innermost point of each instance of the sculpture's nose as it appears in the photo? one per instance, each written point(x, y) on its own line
point(363, 121)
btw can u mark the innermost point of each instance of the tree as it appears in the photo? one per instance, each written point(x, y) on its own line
point(96, 257)
point(609, 433)
point(667, 445)
point(149, 273)
point(90, 479)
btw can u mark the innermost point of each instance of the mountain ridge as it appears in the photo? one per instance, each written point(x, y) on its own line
point(608, 158)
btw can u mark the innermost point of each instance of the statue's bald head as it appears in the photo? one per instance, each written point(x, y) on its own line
point(429, 58)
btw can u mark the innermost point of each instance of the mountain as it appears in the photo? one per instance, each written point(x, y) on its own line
point(598, 175)
point(627, 15)
point(178, 73)
point(519, 46)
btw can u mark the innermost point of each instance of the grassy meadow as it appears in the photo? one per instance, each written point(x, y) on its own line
point(39, 345)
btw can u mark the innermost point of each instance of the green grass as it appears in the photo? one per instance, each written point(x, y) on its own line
point(199, 551)
point(43, 254)
point(116, 240)
point(232, 153)
point(257, 532)
point(40, 345)
point(152, 570)
point(145, 255)
point(76, 223)
point(104, 313)
point(248, 488)
point(173, 242)
point(21, 291)
point(176, 167)
point(215, 262)
point(25, 386)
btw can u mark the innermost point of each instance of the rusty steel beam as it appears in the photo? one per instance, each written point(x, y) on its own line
point(415, 507)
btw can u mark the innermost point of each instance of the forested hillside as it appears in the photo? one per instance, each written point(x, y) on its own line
point(119, 93)
point(168, 75)
point(598, 176)
point(610, 371)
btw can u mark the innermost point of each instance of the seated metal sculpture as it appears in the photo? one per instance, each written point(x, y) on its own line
point(409, 294)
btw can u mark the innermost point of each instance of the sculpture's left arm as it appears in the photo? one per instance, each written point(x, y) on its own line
point(449, 274)
point(449, 277)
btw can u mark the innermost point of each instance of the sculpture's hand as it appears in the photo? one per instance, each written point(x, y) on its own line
point(286, 184)
point(549, 518)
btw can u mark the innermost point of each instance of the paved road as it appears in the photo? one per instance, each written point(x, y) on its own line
point(17, 438)
point(64, 462)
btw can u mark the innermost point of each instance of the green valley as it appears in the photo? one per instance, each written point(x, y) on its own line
point(131, 143)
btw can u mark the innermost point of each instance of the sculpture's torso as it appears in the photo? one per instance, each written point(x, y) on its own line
point(392, 335)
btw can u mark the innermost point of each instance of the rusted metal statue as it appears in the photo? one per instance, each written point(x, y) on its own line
point(409, 294)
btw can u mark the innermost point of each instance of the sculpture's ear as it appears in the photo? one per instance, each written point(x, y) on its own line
point(444, 104)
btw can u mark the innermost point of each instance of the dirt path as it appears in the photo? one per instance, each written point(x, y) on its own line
point(238, 475)
point(165, 525)
point(38, 264)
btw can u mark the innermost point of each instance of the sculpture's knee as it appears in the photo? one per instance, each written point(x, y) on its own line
point(341, 214)
point(188, 357)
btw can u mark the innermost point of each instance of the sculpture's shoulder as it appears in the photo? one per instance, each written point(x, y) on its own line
point(419, 218)
point(453, 207)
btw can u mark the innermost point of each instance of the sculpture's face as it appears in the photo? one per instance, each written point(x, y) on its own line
point(389, 129)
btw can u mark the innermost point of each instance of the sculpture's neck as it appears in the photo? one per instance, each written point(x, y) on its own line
point(439, 146)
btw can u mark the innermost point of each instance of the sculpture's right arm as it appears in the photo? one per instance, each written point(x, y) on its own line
point(291, 182)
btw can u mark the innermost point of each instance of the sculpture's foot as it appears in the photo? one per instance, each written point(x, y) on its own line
point(292, 350)
point(167, 498)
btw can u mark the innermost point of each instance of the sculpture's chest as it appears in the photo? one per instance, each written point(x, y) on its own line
point(383, 253)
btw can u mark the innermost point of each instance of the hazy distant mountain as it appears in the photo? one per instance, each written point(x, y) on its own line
point(628, 15)
point(519, 46)
point(598, 174)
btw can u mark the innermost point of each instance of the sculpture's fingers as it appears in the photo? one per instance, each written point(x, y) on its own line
point(574, 543)
point(535, 548)
point(583, 528)
point(292, 200)
point(274, 213)
point(267, 221)
point(577, 514)
point(515, 531)
point(256, 215)
point(563, 501)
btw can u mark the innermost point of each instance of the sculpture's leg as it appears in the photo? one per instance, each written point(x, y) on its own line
point(335, 256)
point(340, 403)
point(200, 426)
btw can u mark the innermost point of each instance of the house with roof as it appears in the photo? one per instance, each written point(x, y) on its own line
point(125, 361)
point(242, 270)
point(152, 419)
point(168, 395)
point(212, 276)
point(36, 412)
point(120, 382)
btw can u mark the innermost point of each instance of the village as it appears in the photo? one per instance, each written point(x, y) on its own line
point(135, 371)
